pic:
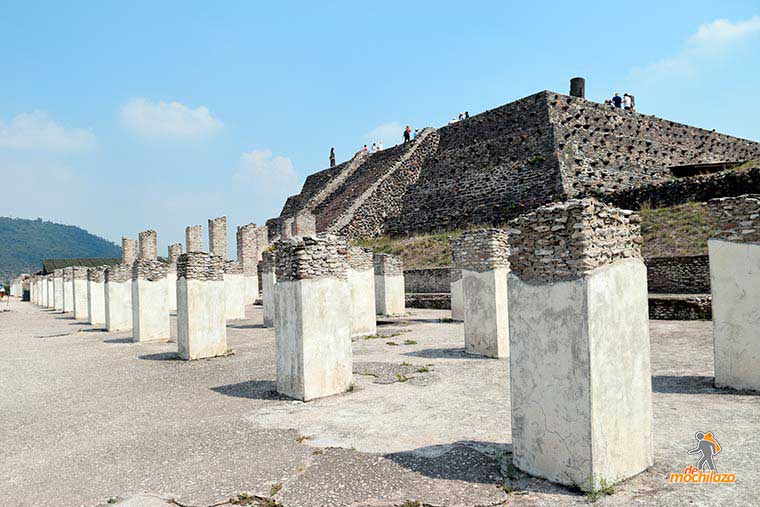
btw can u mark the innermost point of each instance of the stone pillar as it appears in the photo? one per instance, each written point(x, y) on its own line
point(194, 238)
point(79, 278)
point(150, 303)
point(483, 257)
point(96, 296)
point(128, 251)
point(247, 257)
point(303, 224)
point(268, 279)
point(390, 298)
point(313, 317)
point(148, 245)
point(361, 280)
point(68, 289)
point(217, 237)
point(734, 252)
point(45, 291)
point(201, 323)
point(457, 297)
point(175, 250)
point(262, 241)
point(50, 291)
point(118, 297)
point(580, 377)
point(578, 87)
point(287, 228)
point(234, 291)
point(32, 290)
point(58, 289)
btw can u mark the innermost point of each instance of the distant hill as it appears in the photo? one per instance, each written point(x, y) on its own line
point(24, 243)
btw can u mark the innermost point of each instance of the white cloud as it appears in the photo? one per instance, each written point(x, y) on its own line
point(167, 119)
point(710, 44)
point(36, 130)
point(390, 133)
point(261, 168)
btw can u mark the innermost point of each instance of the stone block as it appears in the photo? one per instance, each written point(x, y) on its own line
point(150, 305)
point(361, 280)
point(118, 298)
point(79, 284)
point(389, 285)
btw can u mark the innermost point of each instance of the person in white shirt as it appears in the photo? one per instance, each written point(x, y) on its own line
point(374, 148)
point(627, 102)
point(380, 145)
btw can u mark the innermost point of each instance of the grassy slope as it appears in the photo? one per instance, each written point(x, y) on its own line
point(680, 230)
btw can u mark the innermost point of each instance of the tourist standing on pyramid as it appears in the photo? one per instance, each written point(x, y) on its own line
point(332, 157)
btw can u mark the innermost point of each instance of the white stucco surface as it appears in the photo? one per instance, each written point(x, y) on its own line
point(735, 281)
point(313, 337)
point(58, 293)
point(80, 299)
point(580, 376)
point(251, 289)
point(234, 296)
point(267, 297)
point(171, 291)
point(201, 323)
point(485, 311)
point(118, 306)
point(68, 296)
point(457, 300)
point(150, 310)
point(390, 298)
point(49, 293)
point(363, 315)
point(96, 303)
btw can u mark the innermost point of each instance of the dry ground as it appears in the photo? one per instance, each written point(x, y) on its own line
point(86, 416)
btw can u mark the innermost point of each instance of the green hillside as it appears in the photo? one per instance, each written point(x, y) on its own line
point(24, 243)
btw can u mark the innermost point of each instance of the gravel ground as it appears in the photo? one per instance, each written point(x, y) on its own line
point(86, 416)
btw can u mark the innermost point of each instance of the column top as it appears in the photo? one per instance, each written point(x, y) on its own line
point(738, 218)
point(387, 264)
point(149, 269)
point(360, 258)
point(309, 257)
point(200, 266)
point(118, 273)
point(481, 250)
point(97, 274)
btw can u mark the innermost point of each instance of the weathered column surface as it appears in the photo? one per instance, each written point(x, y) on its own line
point(390, 298)
point(118, 297)
point(48, 291)
point(217, 237)
point(68, 289)
point(303, 224)
point(734, 252)
point(175, 250)
point(313, 317)
point(194, 238)
point(234, 291)
point(201, 323)
point(457, 297)
point(580, 377)
point(58, 289)
point(128, 250)
point(482, 255)
point(150, 303)
point(79, 282)
point(96, 295)
point(148, 245)
point(268, 279)
point(361, 280)
point(247, 257)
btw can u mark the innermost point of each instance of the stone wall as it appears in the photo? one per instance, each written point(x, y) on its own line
point(387, 264)
point(678, 275)
point(119, 273)
point(360, 259)
point(481, 250)
point(307, 257)
point(97, 274)
point(128, 250)
point(233, 268)
point(563, 241)
point(738, 218)
point(148, 245)
point(267, 262)
point(680, 306)
point(200, 266)
point(194, 238)
point(217, 236)
point(175, 250)
point(431, 280)
point(149, 269)
point(79, 273)
point(246, 248)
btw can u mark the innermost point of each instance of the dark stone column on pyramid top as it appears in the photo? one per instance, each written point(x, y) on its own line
point(578, 87)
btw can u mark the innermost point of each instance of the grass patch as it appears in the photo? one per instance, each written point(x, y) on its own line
point(424, 251)
point(604, 489)
point(275, 489)
point(302, 439)
point(401, 378)
point(678, 230)
point(410, 342)
point(391, 343)
point(423, 369)
point(352, 387)
point(411, 503)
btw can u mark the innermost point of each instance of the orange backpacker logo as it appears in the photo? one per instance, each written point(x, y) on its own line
point(705, 471)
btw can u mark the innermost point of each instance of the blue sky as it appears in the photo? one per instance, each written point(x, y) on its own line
point(126, 116)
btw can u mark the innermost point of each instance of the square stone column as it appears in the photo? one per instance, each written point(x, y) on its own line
point(390, 298)
point(457, 296)
point(217, 237)
point(68, 289)
point(234, 291)
point(303, 224)
point(58, 289)
point(118, 297)
point(268, 279)
point(734, 252)
point(33, 290)
point(128, 250)
point(175, 250)
point(51, 291)
point(79, 282)
point(286, 232)
point(482, 256)
point(194, 238)
point(46, 292)
point(150, 302)
point(247, 255)
point(361, 280)
point(148, 245)
point(201, 323)
point(312, 317)
point(96, 296)
point(580, 376)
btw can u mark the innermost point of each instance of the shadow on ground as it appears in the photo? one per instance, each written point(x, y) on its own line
point(445, 353)
point(252, 390)
point(694, 384)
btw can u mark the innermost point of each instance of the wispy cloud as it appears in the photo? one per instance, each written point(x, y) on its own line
point(167, 119)
point(711, 43)
point(37, 131)
point(260, 167)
